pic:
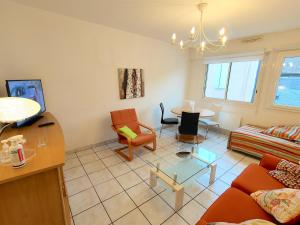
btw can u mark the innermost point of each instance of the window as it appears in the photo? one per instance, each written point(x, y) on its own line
point(216, 80)
point(232, 81)
point(288, 86)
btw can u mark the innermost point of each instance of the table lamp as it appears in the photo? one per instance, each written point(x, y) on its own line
point(16, 109)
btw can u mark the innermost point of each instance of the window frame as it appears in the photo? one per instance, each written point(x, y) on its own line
point(225, 99)
point(277, 71)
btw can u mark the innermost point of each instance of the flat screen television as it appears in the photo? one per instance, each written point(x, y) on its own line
point(31, 89)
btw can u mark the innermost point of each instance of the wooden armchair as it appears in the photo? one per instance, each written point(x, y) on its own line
point(128, 117)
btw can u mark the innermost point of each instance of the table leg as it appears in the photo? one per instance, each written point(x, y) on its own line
point(213, 170)
point(179, 198)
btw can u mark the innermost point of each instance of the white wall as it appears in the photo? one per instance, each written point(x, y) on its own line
point(78, 61)
point(260, 112)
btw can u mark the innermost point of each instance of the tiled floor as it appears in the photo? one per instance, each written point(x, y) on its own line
point(105, 189)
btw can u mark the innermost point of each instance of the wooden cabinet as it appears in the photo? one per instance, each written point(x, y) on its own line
point(35, 194)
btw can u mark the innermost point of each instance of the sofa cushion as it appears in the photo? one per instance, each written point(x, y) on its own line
point(286, 178)
point(283, 204)
point(289, 167)
point(234, 206)
point(255, 178)
point(291, 133)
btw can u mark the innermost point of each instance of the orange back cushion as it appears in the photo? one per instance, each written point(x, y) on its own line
point(125, 117)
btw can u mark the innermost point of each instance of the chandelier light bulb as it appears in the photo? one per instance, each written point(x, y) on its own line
point(192, 32)
point(224, 40)
point(203, 44)
point(181, 44)
point(222, 31)
point(173, 38)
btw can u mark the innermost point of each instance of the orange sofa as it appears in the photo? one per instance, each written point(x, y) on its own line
point(235, 205)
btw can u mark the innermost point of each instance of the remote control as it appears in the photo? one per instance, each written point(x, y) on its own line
point(46, 124)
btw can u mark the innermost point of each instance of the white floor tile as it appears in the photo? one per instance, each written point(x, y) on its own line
point(218, 187)
point(83, 201)
point(84, 152)
point(119, 169)
point(115, 145)
point(206, 198)
point(93, 166)
point(220, 171)
point(135, 163)
point(228, 178)
point(84, 159)
point(134, 217)
point(237, 169)
point(77, 185)
point(151, 156)
point(192, 187)
point(118, 205)
point(156, 210)
point(192, 212)
point(175, 220)
point(128, 180)
point(74, 173)
point(100, 176)
point(93, 216)
point(71, 163)
point(140, 193)
point(204, 179)
point(160, 186)
point(224, 164)
point(108, 189)
point(104, 153)
point(169, 196)
point(144, 172)
point(100, 148)
point(111, 160)
point(70, 156)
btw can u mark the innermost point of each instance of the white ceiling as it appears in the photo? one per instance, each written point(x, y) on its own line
point(160, 18)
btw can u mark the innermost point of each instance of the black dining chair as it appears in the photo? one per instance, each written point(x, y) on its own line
point(166, 121)
point(189, 125)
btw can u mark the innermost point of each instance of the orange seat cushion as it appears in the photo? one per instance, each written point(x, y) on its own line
point(140, 139)
point(234, 206)
point(255, 178)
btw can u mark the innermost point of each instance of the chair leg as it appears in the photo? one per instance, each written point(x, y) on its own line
point(154, 144)
point(206, 132)
point(128, 156)
point(162, 127)
point(195, 141)
point(130, 153)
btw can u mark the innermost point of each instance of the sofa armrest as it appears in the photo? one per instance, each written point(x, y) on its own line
point(269, 161)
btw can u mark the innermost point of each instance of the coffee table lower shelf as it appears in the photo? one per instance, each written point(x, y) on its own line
point(177, 188)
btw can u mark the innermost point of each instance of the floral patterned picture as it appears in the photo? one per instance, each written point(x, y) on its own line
point(131, 83)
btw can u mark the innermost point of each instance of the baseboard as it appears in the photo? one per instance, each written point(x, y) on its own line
point(83, 148)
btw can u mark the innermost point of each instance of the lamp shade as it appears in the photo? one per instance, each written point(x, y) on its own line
point(15, 109)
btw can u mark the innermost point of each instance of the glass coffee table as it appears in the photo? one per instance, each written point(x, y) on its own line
point(174, 170)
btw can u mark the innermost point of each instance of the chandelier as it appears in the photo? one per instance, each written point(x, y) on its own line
point(198, 39)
